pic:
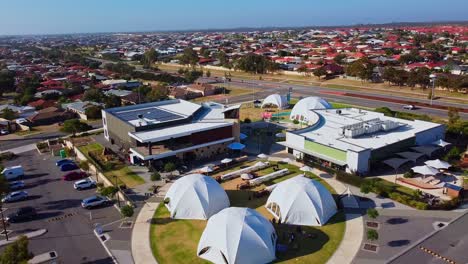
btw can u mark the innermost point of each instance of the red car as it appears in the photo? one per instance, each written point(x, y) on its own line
point(74, 175)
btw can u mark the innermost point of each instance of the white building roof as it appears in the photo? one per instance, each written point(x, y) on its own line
point(302, 110)
point(238, 235)
point(175, 131)
point(196, 196)
point(329, 126)
point(301, 201)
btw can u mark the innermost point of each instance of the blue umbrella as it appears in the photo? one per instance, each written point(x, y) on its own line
point(242, 136)
point(236, 146)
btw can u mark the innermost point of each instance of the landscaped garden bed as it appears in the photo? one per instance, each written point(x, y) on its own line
point(372, 224)
point(370, 247)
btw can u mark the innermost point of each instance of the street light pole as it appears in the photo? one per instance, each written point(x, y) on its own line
point(3, 221)
point(118, 189)
point(433, 78)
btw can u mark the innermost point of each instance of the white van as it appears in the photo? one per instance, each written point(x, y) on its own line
point(13, 173)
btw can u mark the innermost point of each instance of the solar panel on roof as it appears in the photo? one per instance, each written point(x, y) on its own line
point(149, 113)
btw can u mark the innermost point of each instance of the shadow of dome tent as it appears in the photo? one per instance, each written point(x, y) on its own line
point(195, 196)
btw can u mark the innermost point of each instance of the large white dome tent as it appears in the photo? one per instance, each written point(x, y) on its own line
point(238, 236)
point(301, 201)
point(302, 110)
point(277, 100)
point(195, 196)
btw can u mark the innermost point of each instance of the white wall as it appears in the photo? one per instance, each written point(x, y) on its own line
point(358, 161)
point(104, 125)
point(430, 135)
point(294, 140)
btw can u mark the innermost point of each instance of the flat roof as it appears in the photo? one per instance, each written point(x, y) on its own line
point(328, 129)
point(176, 131)
point(155, 112)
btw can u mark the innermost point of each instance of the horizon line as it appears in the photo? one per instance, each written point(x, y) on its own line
point(240, 29)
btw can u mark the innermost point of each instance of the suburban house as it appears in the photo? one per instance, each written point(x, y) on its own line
point(48, 116)
point(79, 108)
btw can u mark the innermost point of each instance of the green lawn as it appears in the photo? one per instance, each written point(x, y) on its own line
point(124, 174)
point(175, 241)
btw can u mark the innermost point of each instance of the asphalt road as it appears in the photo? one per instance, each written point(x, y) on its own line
point(450, 243)
point(70, 227)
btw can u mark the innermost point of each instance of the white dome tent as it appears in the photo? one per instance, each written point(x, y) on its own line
point(301, 201)
point(302, 109)
point(195, 196)
point(238, 235)
point(277, 100)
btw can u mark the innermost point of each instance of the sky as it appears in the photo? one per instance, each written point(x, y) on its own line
point(18, 17)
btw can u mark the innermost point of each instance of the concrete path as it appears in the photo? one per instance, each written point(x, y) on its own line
point(33, 234)
point(22, 149)
point(141, 245)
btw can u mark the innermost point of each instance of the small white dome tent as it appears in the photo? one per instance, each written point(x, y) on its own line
point(238, 236)
point(277, 100)
point(301, 201)
point(195, 196)
point(302, 109)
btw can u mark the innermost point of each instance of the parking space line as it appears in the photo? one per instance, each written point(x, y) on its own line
point(111, 223)
point(58, 218)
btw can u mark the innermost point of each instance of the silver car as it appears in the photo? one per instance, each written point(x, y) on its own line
point(84, 184)
point(16, 185)
point(15, 196)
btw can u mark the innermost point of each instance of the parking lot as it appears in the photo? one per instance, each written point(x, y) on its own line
point(69, 227)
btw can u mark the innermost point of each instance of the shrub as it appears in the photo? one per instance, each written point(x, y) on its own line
point(7, 156)
point(409, 174)
point(108, 191)
point(155, 176)
point(372, 213)
point(295, 121)
point(247, 120)
point(372, 235)
point(99, 185)
point(126, 211)
point(167, 200)
point(170, 166)
point(453, 154)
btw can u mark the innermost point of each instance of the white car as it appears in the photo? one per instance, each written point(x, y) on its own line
point(84, 184)
point(409, 107)
point(15, 196)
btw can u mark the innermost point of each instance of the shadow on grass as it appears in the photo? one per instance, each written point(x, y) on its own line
point(245, 198)
point(307, 240)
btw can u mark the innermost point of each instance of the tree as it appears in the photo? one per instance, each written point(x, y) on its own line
point(155, 176)
point(191, 76)
point(75, 126)
point(372, 235)
point(93, 112)
point(366, 187)
point(17, 252)
point(8, 114)
point(126, 211)
point(256, 64)
point(223, 59)
point(7, 82)
point(170, 166)
point(453, 154)
point(189, 56)
point(149, 57)
point(158, 93)
point(94, 95)
point(319, 72)
point(339, 58)
point(372, 213)
point(208, 74)
point(109, 191)
point(84, 165)
point(112, 101)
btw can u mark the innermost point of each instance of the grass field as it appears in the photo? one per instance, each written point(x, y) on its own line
point(175, 241)
point(123, 173)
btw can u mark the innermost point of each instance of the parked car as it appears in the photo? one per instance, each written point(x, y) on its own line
point(94, 201)
point(22, 214)
point(409, 107)
point(15, 196)
point(74, 175)
point(16, 185)
point(84, 184)
point(63, 161)
point(13, 173)
point(68, 167)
